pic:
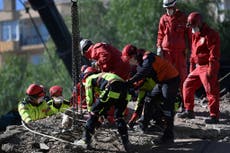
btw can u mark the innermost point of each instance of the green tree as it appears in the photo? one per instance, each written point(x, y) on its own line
point(133, 21)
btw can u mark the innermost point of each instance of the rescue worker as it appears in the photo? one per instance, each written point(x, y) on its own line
point(33, 107)
point(112, 91)
point(204, 68)
point(107, 57)
point(143, 86)
point(173, 39)
point(57, 103)
point(167, 79)
point(78, 98)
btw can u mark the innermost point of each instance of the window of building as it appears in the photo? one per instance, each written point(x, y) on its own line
point(10, 31)
point(29, 35)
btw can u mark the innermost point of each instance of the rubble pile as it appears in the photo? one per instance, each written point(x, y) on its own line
point(48, 136)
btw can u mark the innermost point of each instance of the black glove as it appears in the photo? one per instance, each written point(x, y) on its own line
point(133, 94)
point(129, 84)
point(148, 99)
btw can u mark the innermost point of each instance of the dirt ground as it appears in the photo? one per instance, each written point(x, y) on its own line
point(192, 136)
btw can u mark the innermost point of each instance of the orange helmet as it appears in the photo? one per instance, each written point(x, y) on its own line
point(35, 90)
point(55, 91)
point(88, 71)
point(194, 19)
point(129, 50)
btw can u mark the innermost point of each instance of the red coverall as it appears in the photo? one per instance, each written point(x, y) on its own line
point(108, 59)
point(204, 67)
point(172, 33)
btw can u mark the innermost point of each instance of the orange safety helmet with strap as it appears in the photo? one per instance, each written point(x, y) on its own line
point(194, 19)
point(56, 91)
point(128, 51)
point(35, 90)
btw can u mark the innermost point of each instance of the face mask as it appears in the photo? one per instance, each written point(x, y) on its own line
point(133, 61)
point(195, 29)
point(40, 100)
point(169, 11)
point(58, 100)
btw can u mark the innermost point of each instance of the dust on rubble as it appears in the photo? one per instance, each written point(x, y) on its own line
point(189, 135)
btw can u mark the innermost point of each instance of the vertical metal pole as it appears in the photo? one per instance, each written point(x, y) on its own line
point(76, 54)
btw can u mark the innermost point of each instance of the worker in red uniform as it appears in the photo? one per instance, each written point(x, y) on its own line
point(107, 57)
point(204, 67)
point(173, 38)
point(167, 78)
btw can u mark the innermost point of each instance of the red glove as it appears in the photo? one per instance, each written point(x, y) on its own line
point(134, 117)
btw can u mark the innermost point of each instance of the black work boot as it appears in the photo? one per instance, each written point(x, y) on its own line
point(143, 126)
point(212, 120)
point(168, 136)
point(186, 114)
point(126, 143)
point(131, 124)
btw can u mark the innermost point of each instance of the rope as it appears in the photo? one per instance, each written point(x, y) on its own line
point(225, 76)
point(45, 135)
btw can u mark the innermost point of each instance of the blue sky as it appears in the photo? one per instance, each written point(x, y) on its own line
point(19, 6)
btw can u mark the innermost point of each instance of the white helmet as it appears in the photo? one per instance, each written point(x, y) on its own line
point(85, 44)
point(169, 3)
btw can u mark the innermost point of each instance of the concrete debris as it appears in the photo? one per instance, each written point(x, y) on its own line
point(192, 136)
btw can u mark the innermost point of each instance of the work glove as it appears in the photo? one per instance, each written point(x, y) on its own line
point(133, 94)
point(159, 51)
point(147, 99)
point(134, 117)
point(129, 84)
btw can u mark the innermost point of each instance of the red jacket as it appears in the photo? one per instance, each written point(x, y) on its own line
point(108, 59)
point(205, 47)
point(172, 32)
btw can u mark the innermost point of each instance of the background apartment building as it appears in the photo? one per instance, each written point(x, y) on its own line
point(17, 33)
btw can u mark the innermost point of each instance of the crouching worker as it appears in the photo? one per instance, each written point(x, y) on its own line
point(33, 107)
point(57, 102)
point(167, 79)
point(112, 91)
